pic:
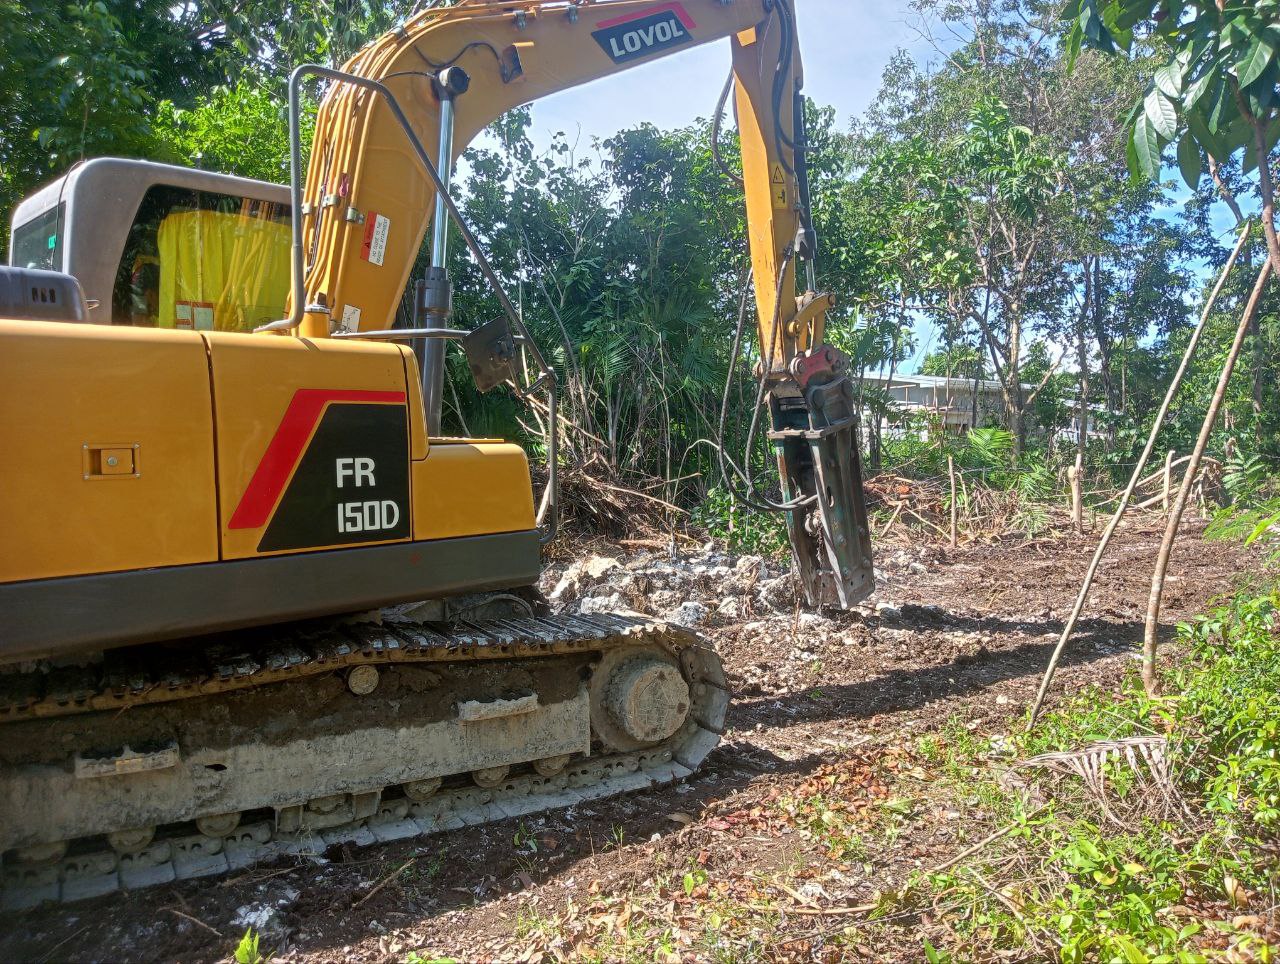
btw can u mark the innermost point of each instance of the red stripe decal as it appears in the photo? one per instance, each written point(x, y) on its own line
point(678, 8)
point(287, 446)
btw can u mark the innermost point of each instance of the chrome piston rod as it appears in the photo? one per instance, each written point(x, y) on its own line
point(433, 301)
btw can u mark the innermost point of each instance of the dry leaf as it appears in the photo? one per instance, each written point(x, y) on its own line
point(1237, 896)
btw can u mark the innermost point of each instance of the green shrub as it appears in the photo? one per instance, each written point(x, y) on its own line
point(1226, 713)
point(1076, 880)
point(742, 529)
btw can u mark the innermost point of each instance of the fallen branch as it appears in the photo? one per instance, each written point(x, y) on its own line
point(1158, 476)
point(639, 495)
point(796, 895)
point(195, 920)
point(892, 519)
point(817, 911)
point(386, 880)
point(255, 877)
point(990, 838)
point(541, 407)
point(935, 528)
point(70, 937)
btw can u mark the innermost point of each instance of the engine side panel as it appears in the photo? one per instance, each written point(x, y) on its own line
point(313, 443)
point(160, 483)
point(108, 443)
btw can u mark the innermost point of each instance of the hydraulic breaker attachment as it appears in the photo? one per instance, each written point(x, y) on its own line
point(816, 436)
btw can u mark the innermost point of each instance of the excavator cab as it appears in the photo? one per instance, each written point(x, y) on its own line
point(159, 246)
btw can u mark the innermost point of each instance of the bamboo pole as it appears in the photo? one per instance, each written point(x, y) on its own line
point(1077, 496)
point(1151, 635)
point(1168, 477)
point(1107, 533)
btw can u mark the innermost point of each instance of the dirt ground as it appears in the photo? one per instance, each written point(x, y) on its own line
point(950, 635)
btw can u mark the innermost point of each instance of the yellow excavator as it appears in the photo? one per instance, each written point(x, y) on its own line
point(252, 602)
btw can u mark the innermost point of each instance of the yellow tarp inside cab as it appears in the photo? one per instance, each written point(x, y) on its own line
point(228, 272)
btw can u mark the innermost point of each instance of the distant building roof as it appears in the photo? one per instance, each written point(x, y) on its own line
point(936, 381)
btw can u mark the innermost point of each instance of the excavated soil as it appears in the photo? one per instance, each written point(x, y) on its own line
point(949, 634)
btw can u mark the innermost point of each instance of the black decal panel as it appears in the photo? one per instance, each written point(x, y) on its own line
point(351, 485)
point(645, 35)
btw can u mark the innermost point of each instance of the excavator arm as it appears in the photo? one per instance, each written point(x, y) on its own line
point(451, 71)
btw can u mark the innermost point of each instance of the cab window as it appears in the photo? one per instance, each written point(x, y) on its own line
point(202, 260)
point(38, 242)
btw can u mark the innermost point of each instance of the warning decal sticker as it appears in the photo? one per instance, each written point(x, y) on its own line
point(376, 229)
point(193, 314)
point(778, 188)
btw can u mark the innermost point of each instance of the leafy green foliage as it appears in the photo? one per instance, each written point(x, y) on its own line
point(88, 78)
point(247, 951)
point(959, 361)
point(1215, 93)
point(241, 129)
point(1097, 892)
point(985, 454)
point(1236, 758)
point(742, 529)
point(79, 80)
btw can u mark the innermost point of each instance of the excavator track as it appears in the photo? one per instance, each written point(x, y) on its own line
point(605, 704)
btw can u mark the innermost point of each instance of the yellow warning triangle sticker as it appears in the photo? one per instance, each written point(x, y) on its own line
point(778, 176)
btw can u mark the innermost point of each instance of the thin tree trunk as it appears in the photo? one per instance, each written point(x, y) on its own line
point(976, 380)
point(1104, 357)
point(1015, 384)
point(1259, 363)
point(1082, 417)
point(1098, 553)
point(1168, 479)
point(1075, 474)
point(951, 471)
point(1151, 635)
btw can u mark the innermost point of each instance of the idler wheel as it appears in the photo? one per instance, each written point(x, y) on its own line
point(552, 765)
point(647, 701)
point(362, 680)
point(420, 791)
